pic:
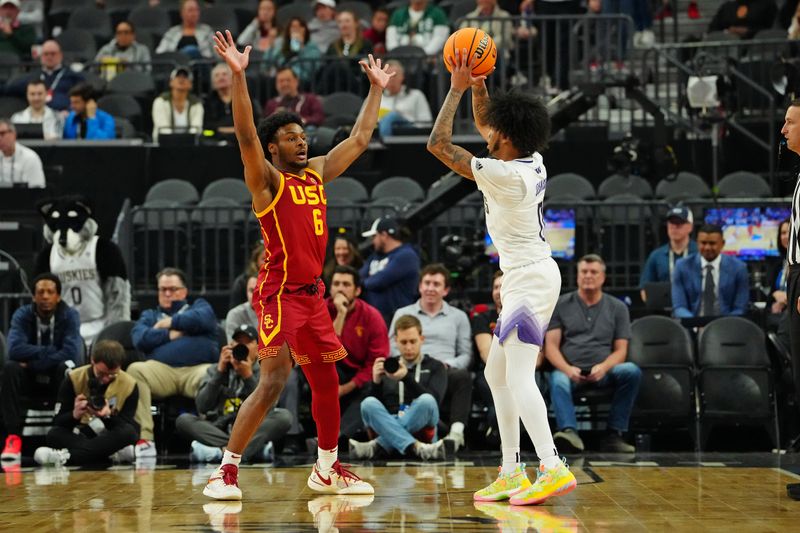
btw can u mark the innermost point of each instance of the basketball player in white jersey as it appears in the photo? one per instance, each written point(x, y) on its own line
point(515, 126)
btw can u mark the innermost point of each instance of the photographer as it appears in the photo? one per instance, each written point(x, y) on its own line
point(407, 392)
point(221, 393)
point(86, 121)
point(98, 405)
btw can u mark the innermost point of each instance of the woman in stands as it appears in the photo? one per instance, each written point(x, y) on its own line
point(295, 48)
point(344, 253)
point(263, 30)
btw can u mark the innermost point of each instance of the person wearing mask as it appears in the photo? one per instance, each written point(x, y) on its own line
point(124, 48)
point(178, 110)
point(37, 112)
point(295, 49)
point(307, 105)
point(262, 30)
point(19, 165)
point(86, 121)
point(190, 36)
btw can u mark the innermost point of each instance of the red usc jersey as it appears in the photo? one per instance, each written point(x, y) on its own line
point(295, 235)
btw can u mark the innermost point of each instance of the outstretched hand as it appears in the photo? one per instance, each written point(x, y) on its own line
point(378, 75)
point(461, 77)
point(226, 49)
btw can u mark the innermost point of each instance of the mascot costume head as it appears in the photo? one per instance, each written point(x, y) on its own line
point(68, 222)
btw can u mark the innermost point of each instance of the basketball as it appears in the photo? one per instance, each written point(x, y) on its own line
point(478, 43)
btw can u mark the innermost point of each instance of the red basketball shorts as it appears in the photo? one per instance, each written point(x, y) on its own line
point(302, 321)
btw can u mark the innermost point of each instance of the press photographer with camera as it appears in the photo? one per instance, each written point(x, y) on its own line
point(96, 419)
point(221, 393)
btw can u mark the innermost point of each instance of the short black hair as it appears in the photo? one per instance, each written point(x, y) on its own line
point(47, 276)
point(128, 22)
point(521, 117)
point(347, 269)
point(84, 90)
point(710, 228)
point(36, 81)
point(268, 127)
point(284, 68)
point(109, 352)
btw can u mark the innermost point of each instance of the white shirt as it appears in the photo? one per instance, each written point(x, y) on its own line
point(24, 166)
point(714, 272)
point(513, 192)
point(411, 103)
point(52, 124)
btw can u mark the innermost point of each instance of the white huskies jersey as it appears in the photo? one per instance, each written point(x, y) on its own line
point(80, 281)
point(513, 193)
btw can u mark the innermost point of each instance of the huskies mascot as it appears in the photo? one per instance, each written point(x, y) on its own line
point(93, 276)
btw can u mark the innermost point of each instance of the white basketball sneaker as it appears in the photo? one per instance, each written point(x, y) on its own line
point(337, 480)
point(224, 484)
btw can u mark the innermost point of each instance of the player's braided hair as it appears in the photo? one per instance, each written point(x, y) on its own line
point(522, 117)
point(268, 127)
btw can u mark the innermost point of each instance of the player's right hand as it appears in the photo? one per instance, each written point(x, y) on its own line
point(225, 47)
point(377, 370)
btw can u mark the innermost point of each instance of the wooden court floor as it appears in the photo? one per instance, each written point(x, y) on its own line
point(631, 495)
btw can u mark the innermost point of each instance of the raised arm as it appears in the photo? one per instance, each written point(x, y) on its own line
point(260, 176)
point(346, 152)
point(480, 104)
point(440, 143)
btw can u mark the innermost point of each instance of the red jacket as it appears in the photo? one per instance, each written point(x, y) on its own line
point(365, 338)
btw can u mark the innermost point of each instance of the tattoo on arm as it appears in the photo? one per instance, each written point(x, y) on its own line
point(480, 98)
point(440, 142)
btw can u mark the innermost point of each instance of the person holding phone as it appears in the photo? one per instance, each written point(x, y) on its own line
point(587, 344)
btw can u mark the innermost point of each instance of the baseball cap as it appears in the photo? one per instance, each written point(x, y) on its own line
point(330, 3)
point(12, 2)
point(684, 214)
point(181, 71)
point(387, 224)
point(245, 329)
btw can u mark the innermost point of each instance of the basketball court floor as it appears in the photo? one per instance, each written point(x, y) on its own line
point(652, 492)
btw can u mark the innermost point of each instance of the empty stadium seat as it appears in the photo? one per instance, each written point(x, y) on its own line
point(122, 105)
point(119, 10)
point(341, 104)
point(124, 128)
point(232, 188)
point(121, 332)
point(93, 20)
point(10, 105)
point(398, 187)
point(153, 20)
point(132, 82)
point(295, 9)
point(9, 66)
point(173, 190)
point(616, 184)
point(682, 186)
point(362, 9)
point(348, 189)
point(459, 9)
point(743, 184)
point(220, 17)
point(571, 184)
point(77, 45)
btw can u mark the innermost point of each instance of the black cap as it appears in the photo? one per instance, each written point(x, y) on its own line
point(245, 329)
point(387, 224)
point(181, 71)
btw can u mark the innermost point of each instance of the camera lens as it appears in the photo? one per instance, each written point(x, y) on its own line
point(240, 352)
point(391, 365)
point(97, 402)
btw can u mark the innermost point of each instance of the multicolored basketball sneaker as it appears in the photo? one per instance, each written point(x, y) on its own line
point(553, 482)
point(505, 486)
point(337, 480)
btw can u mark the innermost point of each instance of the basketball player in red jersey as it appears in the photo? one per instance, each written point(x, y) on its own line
point(290, 204)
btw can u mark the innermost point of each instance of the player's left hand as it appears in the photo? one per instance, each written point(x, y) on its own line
point(378, 75)
point(461, 77)
point(598, 372)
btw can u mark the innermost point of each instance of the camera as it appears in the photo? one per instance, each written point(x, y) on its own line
point(391, 365)
point(625, 158)
point(97, 391)
point(240, 352)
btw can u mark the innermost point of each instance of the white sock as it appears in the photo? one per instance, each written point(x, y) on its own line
point(230, 458)
point(504, 404)
point(457, 428)
point(510, 460)
point(326, 458)
point(551, 462)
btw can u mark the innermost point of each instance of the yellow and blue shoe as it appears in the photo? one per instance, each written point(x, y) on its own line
point(505, 486)
point(553, 482)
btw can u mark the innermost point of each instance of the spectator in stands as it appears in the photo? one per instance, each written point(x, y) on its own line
point(448, 339)
point(661, 261)
point(307, 105)
point(587, 344)
point(86, 121)
point(222, 391)
point(32, 14)
point(217, 108)
point(350, 41)
point(239, 292)
point(179, 340)
point(19, 165)
point(37, 112)
point(483, 325)
point(498, 22)
point(341, 71)
point(15, 37)
point(345, 253)
point(323, 27)
point(177, 110)
point(402, 105)
point(362, 331)
point(405, 418)
point(376, 33)
point(709, 283)
point(778, 275)
point(124, 48)
point(191, 37)
point(794, 26)
point(744, 18)
point(262, 30)
point(58, 78)
point(295, 49)
point(244, 312)
point(44, 340)
point(419, 24)
point(391, 273)
point(96, 420)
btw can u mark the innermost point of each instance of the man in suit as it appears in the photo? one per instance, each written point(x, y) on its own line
point(709, 283)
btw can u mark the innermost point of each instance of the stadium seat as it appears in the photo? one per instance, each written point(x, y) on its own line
point(232, 188)
point(398, 187)
point(735, 378)
point(716, 36)
point(93, 20)
point(134, 83)
point(2, 348)
point(616, 184)
point(335, 122)
point(220, 212)
point(60, 11)
point(173, 190)
point(571, 184)
point(295, 9)
point(121, 332)
point(341, 104)
point(119, 10)
point(153, 20)
point(415, 62)
point(220, 17)
point(122, 105)
point(77, 45)
point(458, 10)
point(9, 66)
point(343, 214)
point(320, 141)
point(743, 184)
point(662, 349)
point(124, 128)
point(10, 105)
point(348, 189)
point(362, 9)
point(682, 186)
point(385, 206)
point(160, 237)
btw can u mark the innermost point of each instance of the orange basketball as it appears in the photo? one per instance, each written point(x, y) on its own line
point(478, 43)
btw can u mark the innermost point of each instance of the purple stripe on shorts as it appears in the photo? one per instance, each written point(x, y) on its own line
point(529, 329)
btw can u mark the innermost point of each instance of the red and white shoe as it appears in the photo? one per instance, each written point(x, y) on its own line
point(337, 480)
point(224, 484)
point(13, 449)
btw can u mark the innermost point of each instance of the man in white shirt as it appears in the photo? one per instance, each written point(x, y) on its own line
point(37, 111)
point(402, 106)
point(19, 165)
